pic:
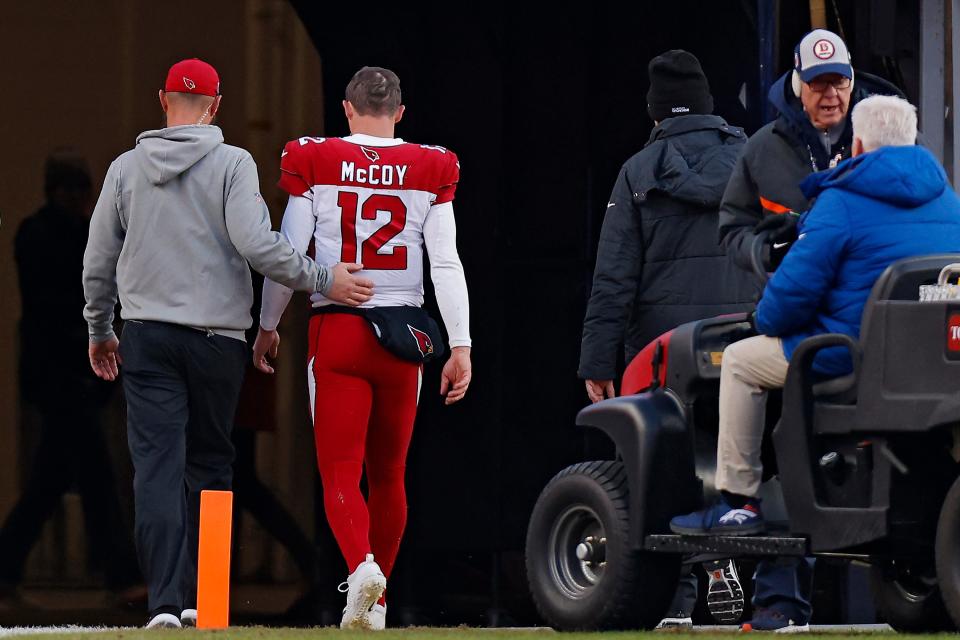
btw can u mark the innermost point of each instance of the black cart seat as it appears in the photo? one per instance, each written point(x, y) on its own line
point(906, 380)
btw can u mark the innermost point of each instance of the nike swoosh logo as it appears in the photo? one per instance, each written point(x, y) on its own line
point(611, 204)
point(780, 245)
point(283, 153)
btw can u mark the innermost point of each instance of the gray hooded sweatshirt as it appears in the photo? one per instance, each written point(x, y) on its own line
point(177, 221)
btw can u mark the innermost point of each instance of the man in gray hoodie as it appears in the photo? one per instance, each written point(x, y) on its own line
point(179, 219)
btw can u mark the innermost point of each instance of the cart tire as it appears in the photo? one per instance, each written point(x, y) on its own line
point(585, 572)
point(948, 553)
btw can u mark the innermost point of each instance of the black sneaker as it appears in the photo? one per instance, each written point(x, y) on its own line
point(724, 593)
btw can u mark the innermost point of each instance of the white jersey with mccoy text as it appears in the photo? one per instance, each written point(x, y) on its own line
point(378, 202)
point(371, 198)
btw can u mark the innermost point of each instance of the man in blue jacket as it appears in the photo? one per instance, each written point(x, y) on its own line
point(890, 201)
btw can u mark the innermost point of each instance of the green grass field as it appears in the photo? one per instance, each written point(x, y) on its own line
point(462, 633)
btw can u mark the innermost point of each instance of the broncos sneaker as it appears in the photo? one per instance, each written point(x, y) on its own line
point(725, 593)
point(765, 619)
point(721, 519)
point(378, 617)
point(363, 588)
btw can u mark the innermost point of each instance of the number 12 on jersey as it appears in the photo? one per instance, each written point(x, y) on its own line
point(370, 255)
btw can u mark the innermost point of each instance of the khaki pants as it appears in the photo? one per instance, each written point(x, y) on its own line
point(750, 367)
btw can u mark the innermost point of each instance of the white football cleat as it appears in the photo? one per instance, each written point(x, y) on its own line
point(363, 588)
point(378, 617)
point(164, 621)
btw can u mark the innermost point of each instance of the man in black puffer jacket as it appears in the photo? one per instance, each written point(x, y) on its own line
point(812, 133)
point(659, 263)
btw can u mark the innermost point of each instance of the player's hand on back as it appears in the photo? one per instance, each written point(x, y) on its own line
point(266, 342)
point(456, 375)
point(347, 288)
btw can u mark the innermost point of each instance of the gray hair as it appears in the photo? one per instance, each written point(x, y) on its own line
point(884, 121)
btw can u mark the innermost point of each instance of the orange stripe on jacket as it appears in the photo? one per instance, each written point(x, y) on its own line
point(773, 207)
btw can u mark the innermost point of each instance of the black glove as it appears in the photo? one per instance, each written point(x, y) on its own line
point(782, 227)
point(783, 232)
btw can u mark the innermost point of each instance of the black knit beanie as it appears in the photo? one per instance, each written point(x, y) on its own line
point(677, 86)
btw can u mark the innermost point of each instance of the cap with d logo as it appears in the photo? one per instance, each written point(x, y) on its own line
point(821, 52)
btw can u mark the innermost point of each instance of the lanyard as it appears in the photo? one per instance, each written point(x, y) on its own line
point(833, 162)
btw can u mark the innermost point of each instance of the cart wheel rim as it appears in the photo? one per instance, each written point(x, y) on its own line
point(577, 551)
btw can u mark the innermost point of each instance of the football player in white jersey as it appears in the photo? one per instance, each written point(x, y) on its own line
point(376, 201)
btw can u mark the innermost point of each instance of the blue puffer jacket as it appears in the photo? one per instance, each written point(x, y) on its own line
point(870, 211)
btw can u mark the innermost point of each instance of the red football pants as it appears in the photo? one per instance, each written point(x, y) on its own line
point(364, 403)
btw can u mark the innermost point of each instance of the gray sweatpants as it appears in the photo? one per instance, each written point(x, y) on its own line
point(750, 367)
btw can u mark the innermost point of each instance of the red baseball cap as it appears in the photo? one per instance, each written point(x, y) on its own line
point(193, 76)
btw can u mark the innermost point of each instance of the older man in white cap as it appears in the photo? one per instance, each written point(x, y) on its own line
point(811, 133)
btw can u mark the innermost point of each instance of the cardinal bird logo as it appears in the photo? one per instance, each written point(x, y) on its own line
point(372, 155)
point(424, 343)
point(189, 84)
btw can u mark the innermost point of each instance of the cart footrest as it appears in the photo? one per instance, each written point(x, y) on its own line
point(733, 545)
